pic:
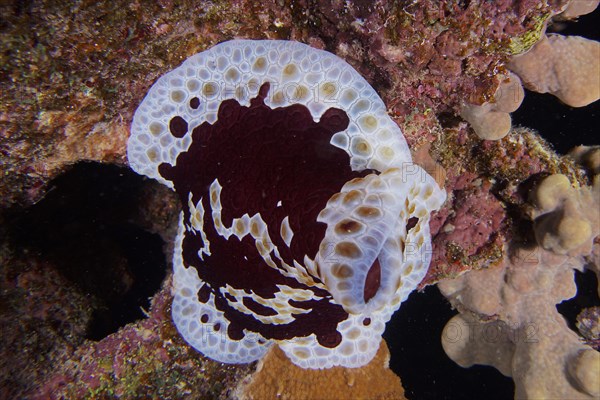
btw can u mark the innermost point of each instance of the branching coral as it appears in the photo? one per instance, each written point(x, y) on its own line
point(565, 66)
point(588, 157)
point(491, 120)
point(508, 320)
point(575, 8)
point(566, 219)
point(508, 317)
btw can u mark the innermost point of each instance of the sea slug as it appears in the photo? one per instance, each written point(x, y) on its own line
point(304, 220)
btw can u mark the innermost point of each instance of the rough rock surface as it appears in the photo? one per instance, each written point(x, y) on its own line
point(72, 75)
point(145, 359)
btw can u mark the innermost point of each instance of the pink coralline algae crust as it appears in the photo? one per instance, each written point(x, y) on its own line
point(513, 162)
point(64, 103)
point(146, 359)
point(471, 233)
point(486, 178)
point(588, 324)
point(463, 61)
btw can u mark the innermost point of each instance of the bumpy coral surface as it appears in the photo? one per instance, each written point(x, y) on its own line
point(491, 120)
point(517, 329)
point(566, 219)
point(567, 67)
point(576, 8)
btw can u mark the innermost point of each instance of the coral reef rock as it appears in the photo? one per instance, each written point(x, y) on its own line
point(145, 359)
point(509, 320)
point(566, 219)
point(73, 73)
point(420, 56)
point(276, 377)
point(566, 66)
point(491, 120)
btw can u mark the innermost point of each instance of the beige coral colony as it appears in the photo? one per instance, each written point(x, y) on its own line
point(545, 358)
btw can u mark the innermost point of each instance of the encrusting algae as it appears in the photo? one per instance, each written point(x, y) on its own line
point(276, 377)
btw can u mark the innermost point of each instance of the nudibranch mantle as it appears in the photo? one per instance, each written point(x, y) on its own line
point(304, 220)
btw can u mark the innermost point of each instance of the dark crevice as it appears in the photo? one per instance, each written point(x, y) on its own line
point(563, 126)
point(587, 296)
point(85, 228)
point(414, 338)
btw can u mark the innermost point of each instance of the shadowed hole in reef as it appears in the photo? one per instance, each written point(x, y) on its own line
point(587, 296)
point(85, 228)
point(414, 337)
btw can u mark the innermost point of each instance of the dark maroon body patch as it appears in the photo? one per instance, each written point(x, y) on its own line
point(276, 163)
